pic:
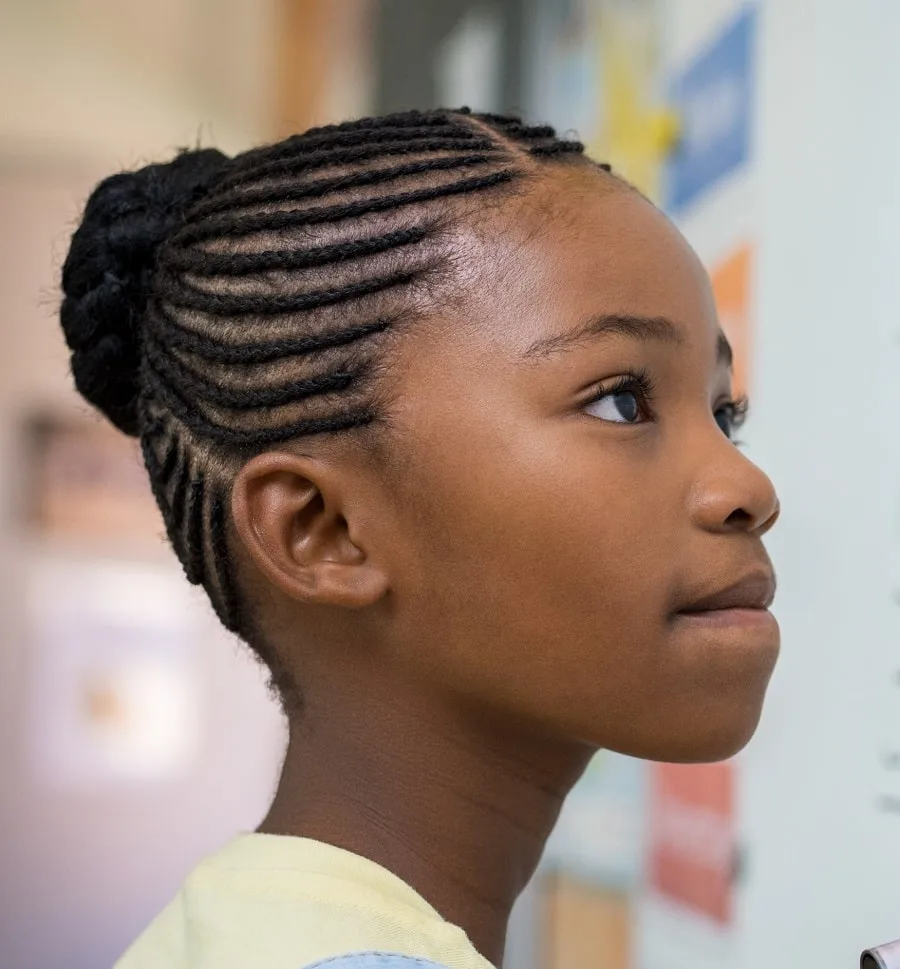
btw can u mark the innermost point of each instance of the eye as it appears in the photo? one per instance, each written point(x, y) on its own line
point(730, 416)
point(625, 401)
point(621, 408)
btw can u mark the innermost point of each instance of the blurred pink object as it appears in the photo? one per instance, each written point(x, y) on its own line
point(883, 957)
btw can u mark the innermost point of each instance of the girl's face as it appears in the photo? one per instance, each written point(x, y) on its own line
point(573, 540)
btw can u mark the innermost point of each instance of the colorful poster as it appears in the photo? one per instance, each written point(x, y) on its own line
point(714, 100)
point(731, 282)
point(635, 130)
point(593, 865)
point(597, 76)
point(692, 839)
point(600, 831)
point(686, 910)
point(113, 690)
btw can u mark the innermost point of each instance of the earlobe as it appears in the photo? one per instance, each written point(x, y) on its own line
point(289, 515)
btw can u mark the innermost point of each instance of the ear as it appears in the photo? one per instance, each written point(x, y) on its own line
point(288, 512)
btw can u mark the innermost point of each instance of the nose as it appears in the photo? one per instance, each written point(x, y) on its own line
point(732, 494)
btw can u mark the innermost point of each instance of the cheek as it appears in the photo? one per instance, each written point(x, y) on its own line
point(526, 544)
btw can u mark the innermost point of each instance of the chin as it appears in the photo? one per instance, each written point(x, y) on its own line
point(692, 740)
point(720, 724)
point(711, 742)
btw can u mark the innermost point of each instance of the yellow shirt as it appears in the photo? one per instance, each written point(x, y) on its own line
point(270, 902)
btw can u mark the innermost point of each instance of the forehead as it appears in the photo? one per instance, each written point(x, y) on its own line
point(577, 245)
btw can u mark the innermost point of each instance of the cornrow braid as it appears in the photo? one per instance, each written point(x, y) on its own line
point(257, 293)
point(372, 150)
point(181, 295)
point(396, 127)
point(201, 262)
point(213, 351)
point(324, 186)
point(294, 218)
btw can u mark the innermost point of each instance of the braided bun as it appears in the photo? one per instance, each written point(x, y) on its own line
point(107, 273)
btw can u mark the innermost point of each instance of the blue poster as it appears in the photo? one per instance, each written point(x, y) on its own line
point(714, 99)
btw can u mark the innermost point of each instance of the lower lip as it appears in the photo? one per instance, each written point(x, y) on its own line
point(725, 618)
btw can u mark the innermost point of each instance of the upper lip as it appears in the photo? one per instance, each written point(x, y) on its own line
point(754, 591)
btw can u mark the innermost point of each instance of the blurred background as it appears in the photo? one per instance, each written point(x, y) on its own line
point(135, 737)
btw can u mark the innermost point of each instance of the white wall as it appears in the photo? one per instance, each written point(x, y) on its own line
point(825, 862)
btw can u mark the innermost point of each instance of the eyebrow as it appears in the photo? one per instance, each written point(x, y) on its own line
point(644, 328)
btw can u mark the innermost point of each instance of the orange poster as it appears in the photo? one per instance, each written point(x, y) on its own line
point(692, 837)
point(731, 281)
point(584, 925)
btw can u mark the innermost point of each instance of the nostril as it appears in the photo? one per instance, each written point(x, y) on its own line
point(740, 518)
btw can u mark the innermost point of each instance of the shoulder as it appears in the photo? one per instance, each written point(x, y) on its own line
point(374, 960)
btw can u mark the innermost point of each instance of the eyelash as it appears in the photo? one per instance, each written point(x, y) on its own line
point(738, 409)
point(641, 384)
point(638, 382)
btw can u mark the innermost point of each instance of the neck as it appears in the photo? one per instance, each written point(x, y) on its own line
point(458, 808)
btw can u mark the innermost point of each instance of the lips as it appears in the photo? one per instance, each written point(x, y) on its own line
point(755, 591)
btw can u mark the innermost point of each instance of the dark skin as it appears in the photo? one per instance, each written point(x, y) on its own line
point(529, 579)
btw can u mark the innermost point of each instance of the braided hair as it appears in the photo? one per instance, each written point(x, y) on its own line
point(216, 306)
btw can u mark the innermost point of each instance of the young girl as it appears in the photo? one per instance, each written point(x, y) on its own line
point(438, 412)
